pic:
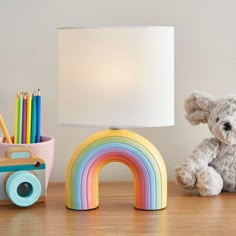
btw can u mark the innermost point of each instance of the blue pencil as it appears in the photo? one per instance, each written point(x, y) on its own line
point(33, 119)
point(38, 116)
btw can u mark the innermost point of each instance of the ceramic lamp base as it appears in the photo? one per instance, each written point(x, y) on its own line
point(129, 148)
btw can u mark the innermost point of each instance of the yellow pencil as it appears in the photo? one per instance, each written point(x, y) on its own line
point(16, 119)
point(4, 130)
point(28, 129)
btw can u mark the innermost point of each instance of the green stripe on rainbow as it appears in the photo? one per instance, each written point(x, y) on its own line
point(133, 150)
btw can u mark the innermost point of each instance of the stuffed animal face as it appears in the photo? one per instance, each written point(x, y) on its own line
point(222, 121)
point(219, 114)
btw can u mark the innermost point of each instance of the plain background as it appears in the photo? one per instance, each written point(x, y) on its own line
point(205, 59)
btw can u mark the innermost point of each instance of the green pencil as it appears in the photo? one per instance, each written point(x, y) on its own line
point(19, 126)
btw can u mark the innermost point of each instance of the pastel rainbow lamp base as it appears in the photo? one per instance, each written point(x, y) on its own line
point(129, 148)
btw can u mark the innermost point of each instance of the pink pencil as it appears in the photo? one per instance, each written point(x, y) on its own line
point(24, 123)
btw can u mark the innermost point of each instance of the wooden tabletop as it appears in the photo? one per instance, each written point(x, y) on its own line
point(185, 215)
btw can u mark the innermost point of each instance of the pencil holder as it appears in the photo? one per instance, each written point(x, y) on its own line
point(44, 150)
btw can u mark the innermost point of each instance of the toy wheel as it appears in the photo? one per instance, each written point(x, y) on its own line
point(23, 188)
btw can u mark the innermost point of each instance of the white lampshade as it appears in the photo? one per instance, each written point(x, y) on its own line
point(116, 77)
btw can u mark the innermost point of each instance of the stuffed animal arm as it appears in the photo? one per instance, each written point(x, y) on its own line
point(196, 174)
point(212, 165)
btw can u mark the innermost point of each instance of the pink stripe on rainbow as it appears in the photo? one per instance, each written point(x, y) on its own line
point(143, 159)
point(105, 159)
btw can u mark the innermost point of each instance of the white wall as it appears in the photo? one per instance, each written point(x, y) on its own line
point(205, 59)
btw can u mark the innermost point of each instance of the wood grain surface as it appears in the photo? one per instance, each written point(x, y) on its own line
point(185, 215)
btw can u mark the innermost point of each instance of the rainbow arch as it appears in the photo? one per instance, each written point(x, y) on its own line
point(129, 148)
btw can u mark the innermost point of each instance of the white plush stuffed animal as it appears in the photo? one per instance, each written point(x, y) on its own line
point(212, 166)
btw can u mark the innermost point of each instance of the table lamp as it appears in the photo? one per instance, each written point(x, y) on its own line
point(116, 77)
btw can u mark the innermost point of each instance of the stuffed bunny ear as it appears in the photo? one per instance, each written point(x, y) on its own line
point(198, 107)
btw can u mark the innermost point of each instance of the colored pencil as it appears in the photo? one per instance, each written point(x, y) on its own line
point(20, 109)
point(24, 119)
point(28, 127)
point(4, 130)
point(33, 119)
point(38, 116)
point(16, 119)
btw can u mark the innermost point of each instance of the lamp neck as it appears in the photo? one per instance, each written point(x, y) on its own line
point(114, 128)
